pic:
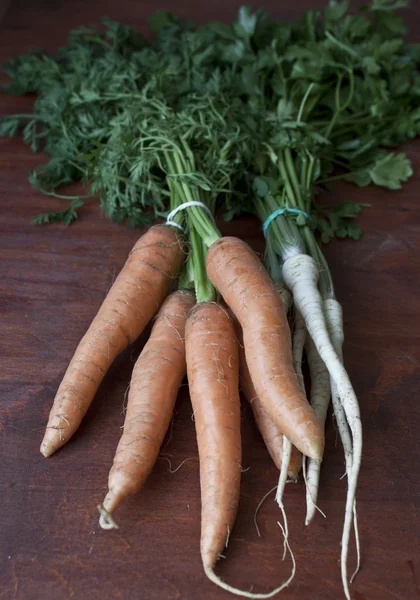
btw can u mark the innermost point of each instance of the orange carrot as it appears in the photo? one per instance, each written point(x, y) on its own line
point(270, 432)
point(235, 270)
point(154, 386)
point(212, 367)
point(134, 298)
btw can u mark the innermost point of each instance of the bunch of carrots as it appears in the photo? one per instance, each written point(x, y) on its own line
point(224, 295)
point(200, 339)
point(252, 117)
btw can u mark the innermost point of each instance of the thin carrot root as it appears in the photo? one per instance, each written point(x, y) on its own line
point(320, 398)
point(301, 276)
point(260, 503)
point(133, 299)
point(246, 287)
point(105, 520)
point(258, 596)
point(156, 378)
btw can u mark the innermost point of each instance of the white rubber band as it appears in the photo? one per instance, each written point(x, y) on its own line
point(173, 224)
point(183, 206)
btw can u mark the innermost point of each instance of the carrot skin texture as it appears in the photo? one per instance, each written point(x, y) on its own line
point(271, 434)
point(156, 378)
point(132, 301)
point(212, 368)
point(236, 271)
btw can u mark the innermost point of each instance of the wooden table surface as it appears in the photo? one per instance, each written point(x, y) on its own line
point(53, 280)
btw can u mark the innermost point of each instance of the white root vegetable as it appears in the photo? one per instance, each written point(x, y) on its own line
point(284, 469)
point(334, 318)
point(299, 338)
point(300, 274)
point(320, 398)
point(298, 343)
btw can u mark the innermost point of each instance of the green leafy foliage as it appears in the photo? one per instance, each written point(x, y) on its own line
point(336, 222)
point(388, 170)
point(66, 216)
point(9, 126)
point(389, 5)
point(257, 108)
point(336, 10)
point(246, 23)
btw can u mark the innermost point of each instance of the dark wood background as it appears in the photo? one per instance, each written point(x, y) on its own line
point(52, 282)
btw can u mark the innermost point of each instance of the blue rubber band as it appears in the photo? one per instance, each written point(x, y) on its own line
point(283, 211)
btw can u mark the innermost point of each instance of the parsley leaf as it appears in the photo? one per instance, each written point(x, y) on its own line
point(389, 171)
point(332, 223)
point(66, 216)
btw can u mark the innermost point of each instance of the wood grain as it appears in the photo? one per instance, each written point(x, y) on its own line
point(52, 282)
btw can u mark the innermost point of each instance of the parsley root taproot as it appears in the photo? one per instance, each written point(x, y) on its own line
point(301, 275)
point(320, 399)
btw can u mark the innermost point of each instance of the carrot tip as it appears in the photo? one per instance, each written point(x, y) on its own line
point(105, 520)
point(46, 449)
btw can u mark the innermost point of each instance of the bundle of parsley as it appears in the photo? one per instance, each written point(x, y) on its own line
point(360, 77)
point(257, 116)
